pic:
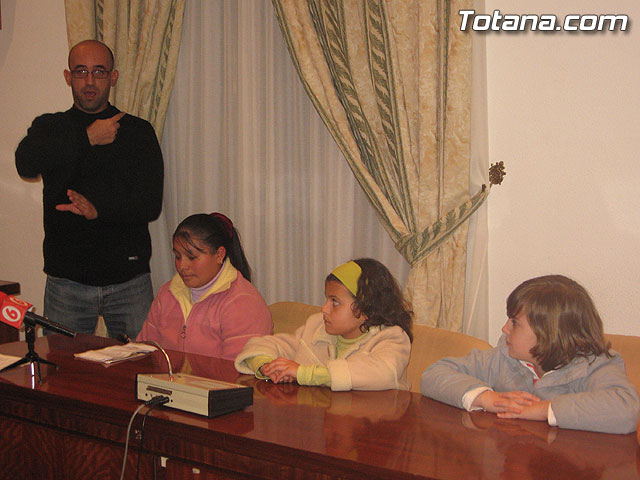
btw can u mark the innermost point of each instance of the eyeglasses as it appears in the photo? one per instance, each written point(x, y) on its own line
point(84, 73)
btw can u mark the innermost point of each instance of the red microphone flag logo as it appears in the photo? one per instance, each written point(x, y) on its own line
point(12, 310)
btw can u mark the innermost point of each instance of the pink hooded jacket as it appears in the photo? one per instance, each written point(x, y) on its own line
point(217, 325)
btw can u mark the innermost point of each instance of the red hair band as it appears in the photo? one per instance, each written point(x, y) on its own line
point(228, 225)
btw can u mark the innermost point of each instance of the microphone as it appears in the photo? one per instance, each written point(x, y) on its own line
point(124, 338)
point(33, 319)
point(14, 312)
point(190, 393)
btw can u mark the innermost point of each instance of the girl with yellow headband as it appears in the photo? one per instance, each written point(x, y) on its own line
point(361, 340)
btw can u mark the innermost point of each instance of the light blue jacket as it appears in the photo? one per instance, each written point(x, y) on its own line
point(587, 394)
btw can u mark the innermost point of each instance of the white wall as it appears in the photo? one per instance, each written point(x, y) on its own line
point(33, 55)
point(563, 116)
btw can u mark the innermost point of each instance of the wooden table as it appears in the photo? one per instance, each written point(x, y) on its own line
point(73, 425)
point(7, 333)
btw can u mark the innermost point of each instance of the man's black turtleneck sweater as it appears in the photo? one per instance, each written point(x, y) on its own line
point(123, 180)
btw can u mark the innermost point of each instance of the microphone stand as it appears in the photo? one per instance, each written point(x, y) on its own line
point(31, 356)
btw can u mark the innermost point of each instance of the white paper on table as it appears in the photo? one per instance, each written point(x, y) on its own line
point(116, 353)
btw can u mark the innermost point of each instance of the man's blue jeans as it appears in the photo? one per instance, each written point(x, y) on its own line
point(123, 306)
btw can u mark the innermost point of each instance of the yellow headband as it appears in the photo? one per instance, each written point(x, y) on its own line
point(348, 273)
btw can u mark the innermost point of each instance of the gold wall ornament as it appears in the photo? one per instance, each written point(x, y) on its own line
point(496, 173)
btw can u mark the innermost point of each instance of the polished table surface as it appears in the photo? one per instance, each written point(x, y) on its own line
point(298, 432)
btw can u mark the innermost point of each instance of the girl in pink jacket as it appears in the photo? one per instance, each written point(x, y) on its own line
point(360, 341)
point(210, 306)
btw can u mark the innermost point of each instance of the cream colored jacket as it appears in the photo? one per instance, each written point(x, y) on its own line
point(378, 361)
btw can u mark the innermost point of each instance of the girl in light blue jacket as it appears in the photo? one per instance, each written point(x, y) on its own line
point(552, 364)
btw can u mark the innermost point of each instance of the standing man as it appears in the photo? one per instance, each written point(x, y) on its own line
point(102, 172)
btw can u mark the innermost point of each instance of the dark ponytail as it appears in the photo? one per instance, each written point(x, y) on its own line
point(215, 230)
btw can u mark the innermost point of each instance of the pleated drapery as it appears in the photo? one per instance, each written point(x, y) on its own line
point(392, 82)
point(243, 138)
